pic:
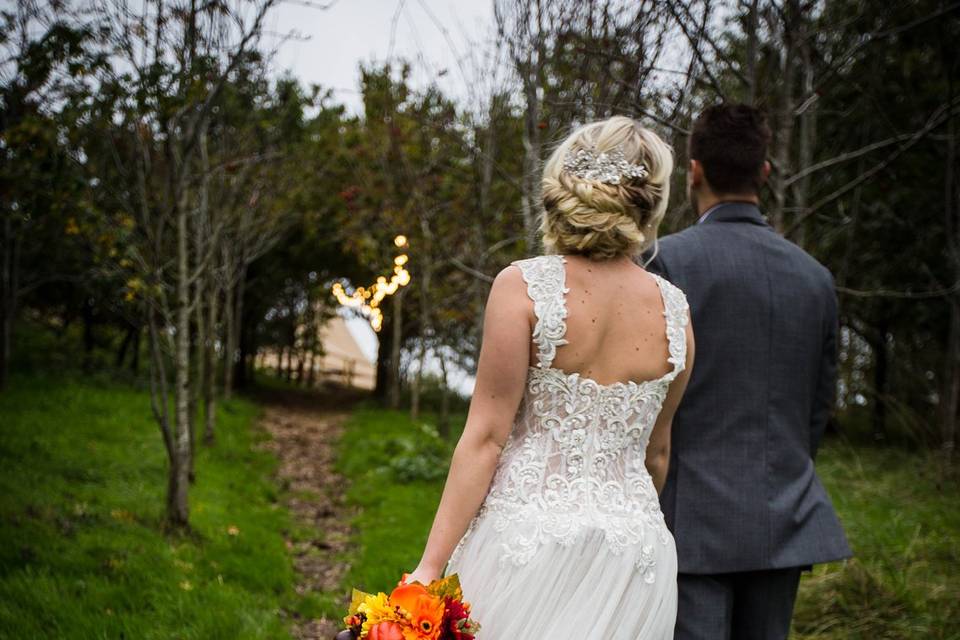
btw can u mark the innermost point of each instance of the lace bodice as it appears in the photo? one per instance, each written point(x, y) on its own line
point(575, 457)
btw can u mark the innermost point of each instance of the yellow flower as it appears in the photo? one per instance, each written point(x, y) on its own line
point(378, 609)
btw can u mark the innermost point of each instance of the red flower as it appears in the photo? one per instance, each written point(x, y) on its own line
point(456, 621)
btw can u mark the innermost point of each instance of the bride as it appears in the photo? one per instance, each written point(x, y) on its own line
point(550, 512)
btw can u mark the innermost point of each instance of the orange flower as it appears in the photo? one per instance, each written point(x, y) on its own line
point(388, 630)
point(406, 595)
point(426, 611)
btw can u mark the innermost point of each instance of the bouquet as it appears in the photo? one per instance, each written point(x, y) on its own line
point(411, 612)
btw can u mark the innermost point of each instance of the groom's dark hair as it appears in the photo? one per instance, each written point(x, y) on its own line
point(730, 142)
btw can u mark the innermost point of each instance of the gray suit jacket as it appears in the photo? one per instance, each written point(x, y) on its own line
point(741, 493)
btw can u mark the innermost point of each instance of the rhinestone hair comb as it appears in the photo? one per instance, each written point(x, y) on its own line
point(609, 167)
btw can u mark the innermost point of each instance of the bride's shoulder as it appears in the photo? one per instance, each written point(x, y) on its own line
point(511, 280)
point(508, 300)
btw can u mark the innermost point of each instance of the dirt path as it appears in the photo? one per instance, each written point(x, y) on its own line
point(305, 428)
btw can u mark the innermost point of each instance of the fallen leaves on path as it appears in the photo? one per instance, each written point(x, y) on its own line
point(305, 429)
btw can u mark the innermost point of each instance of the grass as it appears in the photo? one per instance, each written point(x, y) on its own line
point(903, 584)
point(904, 581)
point(83, 552)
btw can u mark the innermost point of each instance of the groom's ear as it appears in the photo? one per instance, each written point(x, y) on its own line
point(765, 171)
point(695, 173)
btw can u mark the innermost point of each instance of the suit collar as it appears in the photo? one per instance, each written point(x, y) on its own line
point(736, 212)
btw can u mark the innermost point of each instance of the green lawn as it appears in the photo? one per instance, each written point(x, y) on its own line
point(905, 531)
point(904, 583)
point(82, 548)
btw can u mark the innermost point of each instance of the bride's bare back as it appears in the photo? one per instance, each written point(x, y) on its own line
point(616, 330)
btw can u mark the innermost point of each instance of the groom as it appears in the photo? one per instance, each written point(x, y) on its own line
point(743, 501)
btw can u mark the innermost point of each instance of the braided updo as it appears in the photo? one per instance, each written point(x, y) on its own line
point(600, 220)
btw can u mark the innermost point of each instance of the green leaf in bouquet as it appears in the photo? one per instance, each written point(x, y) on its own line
point(446, 587)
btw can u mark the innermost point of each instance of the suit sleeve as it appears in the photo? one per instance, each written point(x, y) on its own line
point(826, 386)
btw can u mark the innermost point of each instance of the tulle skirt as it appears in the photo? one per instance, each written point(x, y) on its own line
point(579, 591)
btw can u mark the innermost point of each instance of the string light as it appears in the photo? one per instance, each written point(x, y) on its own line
point(368, 299)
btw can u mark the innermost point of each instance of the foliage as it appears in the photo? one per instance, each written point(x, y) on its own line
point(422, 456)
point(83, 551)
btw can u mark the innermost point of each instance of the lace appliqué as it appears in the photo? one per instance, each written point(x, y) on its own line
point(677, 315)
point(546, 285)
point(574, 463)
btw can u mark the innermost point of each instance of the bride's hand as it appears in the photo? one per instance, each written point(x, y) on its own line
point(422, 575)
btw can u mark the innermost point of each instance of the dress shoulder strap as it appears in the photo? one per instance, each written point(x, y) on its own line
point(546, 285)
point(676, 312)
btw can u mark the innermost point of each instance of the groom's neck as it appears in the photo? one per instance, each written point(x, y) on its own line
point(707, 201)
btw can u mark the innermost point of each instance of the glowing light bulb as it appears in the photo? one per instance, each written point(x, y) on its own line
point(368, 299)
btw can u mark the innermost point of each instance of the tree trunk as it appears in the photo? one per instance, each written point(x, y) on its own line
point(246, 356)
point(209, 371)
point(240, 345)
point(751, 54)
point(784, 121)
point(417, 386)
point(178, 512)
point(382, 383)
point(951, 386)
point(9, 284)
point(479, 288)
point(531, 156)
point(397, 338)
point(807, 134)
point(197, 372)
point(881, 370)
point(443, 420)
point(299, 347)
point(230, 319)
point(125, 344)
point(312, 369)
point(159, 391)
point(288, 371)
point(951, 396)
point(135, 360)
point(89, 341)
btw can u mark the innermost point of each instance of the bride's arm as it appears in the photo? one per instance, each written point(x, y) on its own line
point(658, 449)
point(501, 376)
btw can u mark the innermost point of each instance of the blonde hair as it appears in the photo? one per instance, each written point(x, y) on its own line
point(601, 220)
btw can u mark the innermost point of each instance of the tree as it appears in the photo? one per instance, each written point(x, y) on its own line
point(177, 59)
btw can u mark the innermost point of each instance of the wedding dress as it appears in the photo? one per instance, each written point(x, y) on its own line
point(570, 543)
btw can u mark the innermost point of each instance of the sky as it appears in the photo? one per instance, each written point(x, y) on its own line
point(330, 45)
